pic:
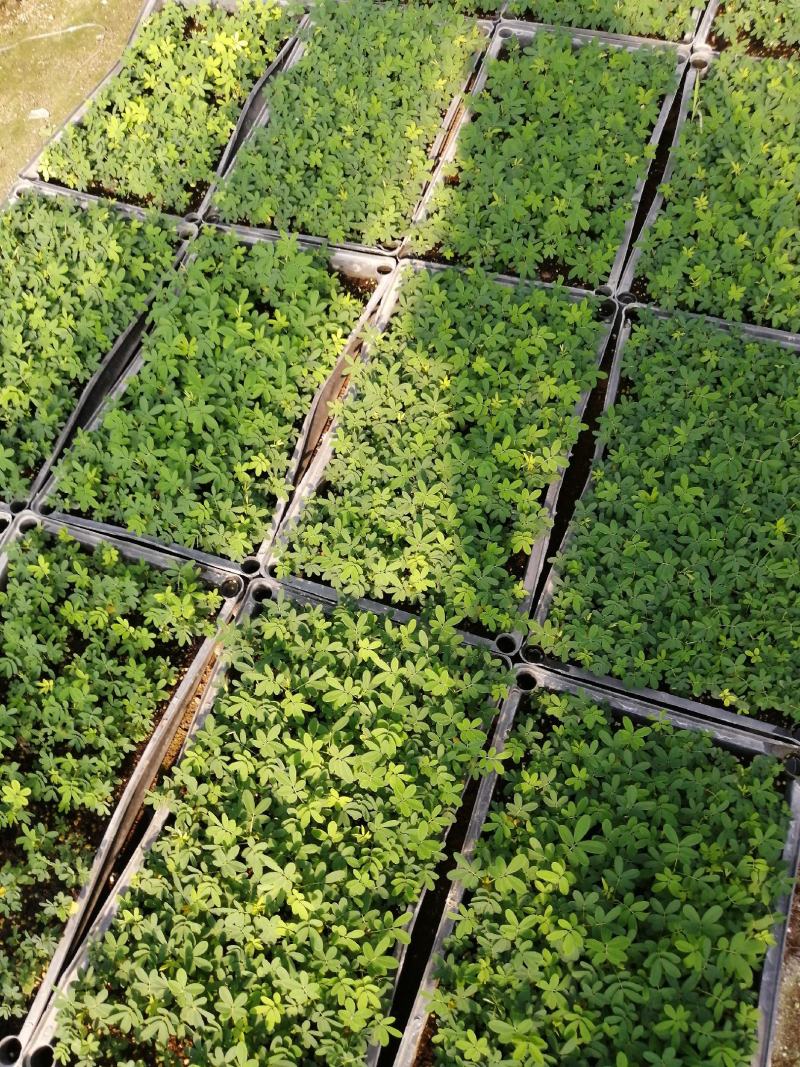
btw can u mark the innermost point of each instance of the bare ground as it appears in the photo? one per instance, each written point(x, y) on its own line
point(786, 1051)
point(52, 54)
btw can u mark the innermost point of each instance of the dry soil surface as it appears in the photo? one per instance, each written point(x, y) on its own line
point(52, 54)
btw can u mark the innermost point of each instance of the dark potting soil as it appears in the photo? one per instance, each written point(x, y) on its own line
point(106, 192)
point(548, 271)
point(760, 50)
point(555, 270)
point(752, 46)
point(639, 290)
point(425, 1052)
point(361, 288)
point(518, 565)
point(196, 199)
point(191, 27)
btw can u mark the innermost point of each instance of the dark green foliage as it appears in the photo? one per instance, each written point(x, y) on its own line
point(620, 901)
point(684, 571)
point(545, 170)
point(91, 649)
point(345, 152)
point(72, 280)
point(726, 242)
point(671, 20)
point(463, 416)
point(197, 449)
point(774, 23)
point(308, 817)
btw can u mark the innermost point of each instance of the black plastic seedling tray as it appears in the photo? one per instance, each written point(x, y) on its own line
point(352, 265)
point(525, 32)
point(687, 39)
point(6, 518)
point(247, 116)
point(704, 30)
point(92, 394)
point(706, 37)
point(261, 119)
point(698, 64)
point(40, 1041)
point(316, 594)
point(314, 477)
point(736, 740)
point(128, 809)
point(706, 711)
point(632, 287)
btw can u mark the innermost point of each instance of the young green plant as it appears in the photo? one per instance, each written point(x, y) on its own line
point(345, 152)
point(92, 647)
point(155, 133)
point(620, 900)
point(197, 448)
point(682, 572)
point(544, 172)
point(461, 419)
point(769, 24)
point(725, 242)
point(73, 279)
point(671, 20)
point(307, 818)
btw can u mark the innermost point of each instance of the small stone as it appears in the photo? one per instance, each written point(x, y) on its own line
point(38, 114)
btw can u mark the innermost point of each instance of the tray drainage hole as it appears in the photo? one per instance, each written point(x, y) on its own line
point(231, 587)
point(262, 595)
point(607, 309)
point(626, 298)
point(384, 268)
point(505, 33)
point(25, 525)
point(17, 506)
point(10, 1050)
point(527, 683)
point(793, 766)
point(251, 565)
point(42, 1056)
point(506, 643)
point(603, 290)
point(701, 59)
